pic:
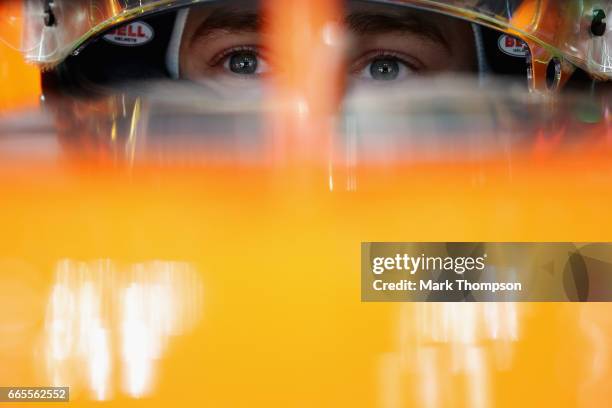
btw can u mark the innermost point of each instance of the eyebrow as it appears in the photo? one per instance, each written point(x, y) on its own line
point(371, 23)
point(361, 23)
point(229, 21)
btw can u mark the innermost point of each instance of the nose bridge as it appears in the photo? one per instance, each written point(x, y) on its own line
point(305, 40)
point(306, 50)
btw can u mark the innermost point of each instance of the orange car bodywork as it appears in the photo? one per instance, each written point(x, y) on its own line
point(20, 82)
point(275, 250)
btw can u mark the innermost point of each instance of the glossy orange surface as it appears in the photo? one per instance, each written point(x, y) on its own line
point(277, 256)
point(159, 283)
point(19, 82)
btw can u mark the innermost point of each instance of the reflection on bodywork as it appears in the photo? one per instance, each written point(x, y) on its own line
point(105, 322)
point(448, 352)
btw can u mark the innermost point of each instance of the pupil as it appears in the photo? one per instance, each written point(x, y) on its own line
point(243, 63)
point(384, 70)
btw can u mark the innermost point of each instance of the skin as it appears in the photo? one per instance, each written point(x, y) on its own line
point(406, 41)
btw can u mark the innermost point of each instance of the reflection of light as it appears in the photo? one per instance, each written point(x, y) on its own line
point(94, 305)
point(331, 176)
point(61, 309)
point(332, 34)
point(597, 357)
point(138, 341)
point(429, 388)
point(99, 361)
point(475, 367)
point(302, 108)
point(439, 340)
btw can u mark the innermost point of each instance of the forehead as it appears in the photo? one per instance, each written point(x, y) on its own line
point(351, 6)
point(360, 16)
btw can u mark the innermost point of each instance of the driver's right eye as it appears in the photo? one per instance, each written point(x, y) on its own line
point(383, 66)
point(242, 61)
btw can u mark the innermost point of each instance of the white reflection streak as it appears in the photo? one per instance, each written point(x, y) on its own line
point(59, 327)
point(429, 377)
point(351, 153)
point(491, 311)
point(156, 300)
point(59, 331)
point(478, 336)
point(164, 303)
point(478, 392)
point(592, 387)
point(137, 342)
point(509, 312)
point(93, 342)
point(99, 362)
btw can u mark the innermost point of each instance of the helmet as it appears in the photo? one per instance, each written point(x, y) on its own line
point(103, 41)
point(87, 45)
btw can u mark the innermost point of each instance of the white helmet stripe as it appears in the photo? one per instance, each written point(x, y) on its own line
point(174, 46)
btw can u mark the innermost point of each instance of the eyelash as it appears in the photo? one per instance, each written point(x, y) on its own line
point(361, 62)
point(219, 58)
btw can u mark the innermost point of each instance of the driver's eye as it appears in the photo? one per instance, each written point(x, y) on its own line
point(384, 68)
point(243, 62)
point(247, 62)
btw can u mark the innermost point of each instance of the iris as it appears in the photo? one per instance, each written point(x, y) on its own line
point(243, 63)
point(384, 69)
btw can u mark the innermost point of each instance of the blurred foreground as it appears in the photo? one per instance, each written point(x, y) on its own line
point(161, 247)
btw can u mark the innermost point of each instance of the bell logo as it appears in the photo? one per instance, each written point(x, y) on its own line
point(134, 34)
point(512, 46)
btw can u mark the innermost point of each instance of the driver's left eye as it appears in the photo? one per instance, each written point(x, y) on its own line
point(384, 68)
point(244, 63)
